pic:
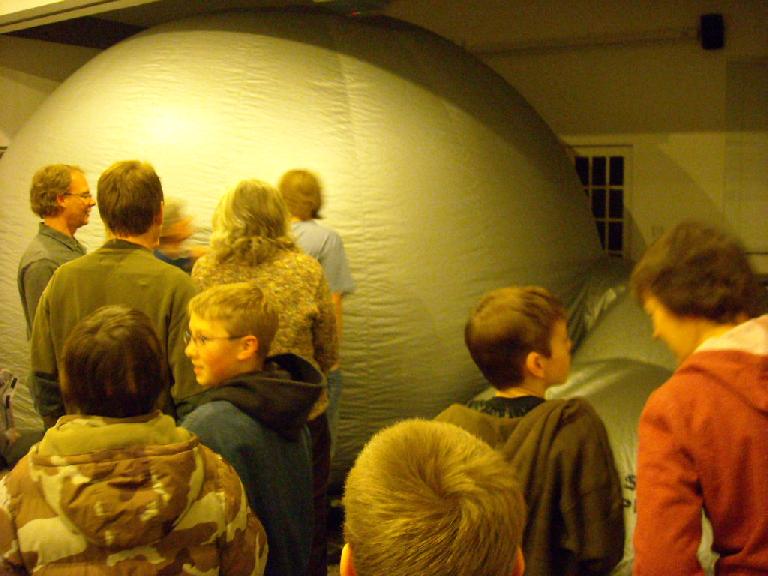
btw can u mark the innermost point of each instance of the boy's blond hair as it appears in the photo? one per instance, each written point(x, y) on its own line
point(428, 498)
point(241, 308)
point(508, 324)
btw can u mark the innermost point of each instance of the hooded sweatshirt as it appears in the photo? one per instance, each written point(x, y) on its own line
point(561, 456)
point(257, 422)
point(703, 446)
point(126, 496)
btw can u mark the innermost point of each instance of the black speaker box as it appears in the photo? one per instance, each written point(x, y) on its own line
point(712, 31)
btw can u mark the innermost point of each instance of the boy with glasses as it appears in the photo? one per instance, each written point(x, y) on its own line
point(253, 412)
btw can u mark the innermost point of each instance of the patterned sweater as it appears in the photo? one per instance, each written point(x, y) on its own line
point(296, 287)
point(126, 496)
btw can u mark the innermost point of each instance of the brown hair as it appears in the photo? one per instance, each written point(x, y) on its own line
point(130, 197)
point(697, 270)
point(303, 193)
point(241, 308)
point(48, 183)
point(113, 364)
point(428, 498)
point(508, 324)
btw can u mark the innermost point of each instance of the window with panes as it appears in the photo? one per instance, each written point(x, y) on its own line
point(603, 176)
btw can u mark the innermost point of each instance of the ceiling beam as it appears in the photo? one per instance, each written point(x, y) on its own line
point(86, 31)
point(21, 14)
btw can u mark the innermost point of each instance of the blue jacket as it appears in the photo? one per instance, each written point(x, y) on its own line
point(257, 422)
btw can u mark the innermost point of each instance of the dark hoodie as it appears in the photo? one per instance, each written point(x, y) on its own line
point(560, 455)
point(257, 422)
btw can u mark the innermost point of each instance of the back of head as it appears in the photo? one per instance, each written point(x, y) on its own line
point(113, 364)
point(303, 193)
point(250, 223)
point(177, 225)
point(130, 197)
point(697, 270)
point(508, 324)
point(428, 498)
point(48, 183)
point(241, 308)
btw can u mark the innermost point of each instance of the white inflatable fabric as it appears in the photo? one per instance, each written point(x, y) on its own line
point(618, 389)
point(442, 180)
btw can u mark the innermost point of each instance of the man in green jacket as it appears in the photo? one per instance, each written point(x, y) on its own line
point(123, 271)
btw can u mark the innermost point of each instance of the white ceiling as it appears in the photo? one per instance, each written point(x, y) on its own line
point(18, 15)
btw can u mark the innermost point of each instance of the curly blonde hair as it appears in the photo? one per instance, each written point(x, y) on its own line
point(250, 225)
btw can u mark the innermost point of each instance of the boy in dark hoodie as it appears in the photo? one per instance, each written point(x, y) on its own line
point(558, 449)
point(253, 412)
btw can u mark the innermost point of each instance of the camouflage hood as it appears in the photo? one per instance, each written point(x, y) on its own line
point(121, 482)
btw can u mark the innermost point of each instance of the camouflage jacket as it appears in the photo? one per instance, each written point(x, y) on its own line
point(129, 496)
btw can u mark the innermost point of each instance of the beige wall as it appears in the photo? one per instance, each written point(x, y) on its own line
point(657, 91)
point(29, 71)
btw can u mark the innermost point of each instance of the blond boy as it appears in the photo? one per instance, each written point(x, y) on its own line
point(428, 498)
point(253, 412)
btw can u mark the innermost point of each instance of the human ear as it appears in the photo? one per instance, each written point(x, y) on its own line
point(158, 219)
point(534, 364)
point(346, 566)
point(249, 347)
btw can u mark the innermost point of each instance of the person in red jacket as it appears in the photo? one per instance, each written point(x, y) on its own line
point(703, 434)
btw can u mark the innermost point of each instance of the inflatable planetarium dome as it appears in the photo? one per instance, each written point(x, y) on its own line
point(443, 182)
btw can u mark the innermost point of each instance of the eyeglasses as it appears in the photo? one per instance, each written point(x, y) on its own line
point(203, 340)
point(82, 195)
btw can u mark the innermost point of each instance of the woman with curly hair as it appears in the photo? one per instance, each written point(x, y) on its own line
point(251, 241)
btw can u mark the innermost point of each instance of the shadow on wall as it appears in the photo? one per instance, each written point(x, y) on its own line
point(669, 190)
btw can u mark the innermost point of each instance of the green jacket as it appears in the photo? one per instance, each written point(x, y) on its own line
point(117, 273)
point(563, 461)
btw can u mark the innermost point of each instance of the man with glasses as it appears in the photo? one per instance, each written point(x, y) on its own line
point(61, 197)
point(123, 271)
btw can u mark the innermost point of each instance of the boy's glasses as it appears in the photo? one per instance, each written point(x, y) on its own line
point(203, 340)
